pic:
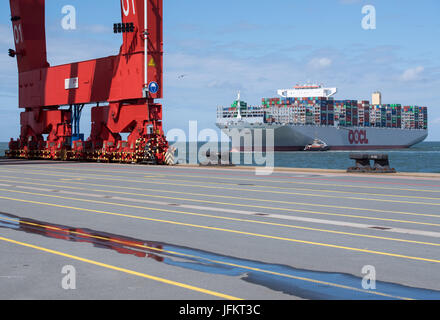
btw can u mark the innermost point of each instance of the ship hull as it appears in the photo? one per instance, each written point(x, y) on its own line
point(296, 137)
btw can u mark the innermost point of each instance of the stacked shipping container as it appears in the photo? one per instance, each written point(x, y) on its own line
point(328, 112)
point(345, 113)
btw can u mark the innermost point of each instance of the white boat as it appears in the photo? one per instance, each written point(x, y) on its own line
point(317, 145)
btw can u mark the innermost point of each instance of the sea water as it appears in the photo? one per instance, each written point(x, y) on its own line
point(424, 157)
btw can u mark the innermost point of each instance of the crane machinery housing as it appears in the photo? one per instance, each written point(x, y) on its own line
point(122, 89)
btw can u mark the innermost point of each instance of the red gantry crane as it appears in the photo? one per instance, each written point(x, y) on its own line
point(122, 88)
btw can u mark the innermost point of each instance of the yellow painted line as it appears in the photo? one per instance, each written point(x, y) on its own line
point(225, 218)
point(142, 246)
point(222, 203)
point(298, 182)
point(326, 245)
point(274, 208)
point(241, 205)
point(122, 178)
point(131, 272)
point(237, 198)
point(315, 194)
point(238, 178)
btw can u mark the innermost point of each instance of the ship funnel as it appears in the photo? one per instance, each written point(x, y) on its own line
point(376, 98)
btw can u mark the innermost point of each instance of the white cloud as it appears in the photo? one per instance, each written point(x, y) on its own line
point(320, 63)
point(349, 1)
point(68, 50)
point(97, 28)
point(412, 73)
point(6, 36)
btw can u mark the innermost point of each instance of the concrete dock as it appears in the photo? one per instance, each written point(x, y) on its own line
point(145, 232)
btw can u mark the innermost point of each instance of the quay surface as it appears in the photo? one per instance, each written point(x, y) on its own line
point(145, 232)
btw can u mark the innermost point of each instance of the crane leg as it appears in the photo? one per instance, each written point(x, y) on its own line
point(56, 124)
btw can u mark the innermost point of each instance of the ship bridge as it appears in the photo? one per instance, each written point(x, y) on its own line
point(307, 91)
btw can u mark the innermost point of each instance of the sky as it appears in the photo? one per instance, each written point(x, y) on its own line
point(256, 47)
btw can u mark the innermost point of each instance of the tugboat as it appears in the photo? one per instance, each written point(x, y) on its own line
point(317, 145)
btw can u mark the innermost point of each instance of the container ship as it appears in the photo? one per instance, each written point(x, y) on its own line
point(307, 113)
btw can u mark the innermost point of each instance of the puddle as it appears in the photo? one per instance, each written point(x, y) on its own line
point(381, 228)
point(296, 282)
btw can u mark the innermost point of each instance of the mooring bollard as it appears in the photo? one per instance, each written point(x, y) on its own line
point(363, 164)
point(217, 159)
